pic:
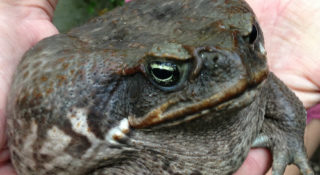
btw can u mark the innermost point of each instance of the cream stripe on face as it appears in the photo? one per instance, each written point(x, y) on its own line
point(78, 120)
point(54, 146)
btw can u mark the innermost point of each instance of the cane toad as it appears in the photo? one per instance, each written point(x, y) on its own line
point(153, 87)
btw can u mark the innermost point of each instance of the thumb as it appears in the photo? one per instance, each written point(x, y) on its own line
point(257, 162)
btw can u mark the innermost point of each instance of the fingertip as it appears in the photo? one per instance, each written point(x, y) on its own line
point(3, 138)
point(257, 162)
point(7, 169)
point(4, 156)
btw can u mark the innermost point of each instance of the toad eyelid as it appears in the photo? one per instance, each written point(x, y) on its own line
point(161, 66)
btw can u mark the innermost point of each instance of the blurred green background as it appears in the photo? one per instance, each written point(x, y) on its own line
point(72, 13)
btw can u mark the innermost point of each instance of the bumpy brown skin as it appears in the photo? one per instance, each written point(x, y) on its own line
point(70, 90)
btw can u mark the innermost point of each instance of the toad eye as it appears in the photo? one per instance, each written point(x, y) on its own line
point(167, 75)
point(252, 36)
point(164, 73)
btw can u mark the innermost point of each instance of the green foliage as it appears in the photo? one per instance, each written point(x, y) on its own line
point(91, 7)
point(94, 6)
point(72, 13)
point(114, 3)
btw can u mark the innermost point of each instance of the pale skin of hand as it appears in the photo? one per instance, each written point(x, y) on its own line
point(289, 26)
point(22, 24)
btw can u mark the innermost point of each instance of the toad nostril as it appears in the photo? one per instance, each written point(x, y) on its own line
point(215, 58)
point(210, 56)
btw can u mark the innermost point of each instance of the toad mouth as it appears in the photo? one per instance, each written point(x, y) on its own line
point(160, 117)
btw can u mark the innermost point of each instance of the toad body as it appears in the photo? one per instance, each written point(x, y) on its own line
point(154, 87)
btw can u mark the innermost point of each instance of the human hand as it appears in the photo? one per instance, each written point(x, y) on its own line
point(292, 42)
point(22, 24)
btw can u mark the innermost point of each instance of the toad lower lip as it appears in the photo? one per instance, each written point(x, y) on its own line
point(159, 115)
point(244, 99)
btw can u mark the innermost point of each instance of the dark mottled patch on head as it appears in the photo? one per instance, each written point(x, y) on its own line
point(93, 120)
point(39, 165)
point(56, 170)
point(44, 78)
point(79, 143)
point(82, 103)
point(165, 162)
point(25, 75)
point(18, 141)
point(78, 146)
point(120, 35)
point(49, 90)
point(25, 66)
point(36, 94)
point(72, 71)
point(61, 79)
point(45, 157)
point(141, 166)
point(165, 12)
point(65, 66)
point(15, 156)
point(37, 63)
point(29, 101)
point(29, 168)
point(196, 172)
point(166, 166)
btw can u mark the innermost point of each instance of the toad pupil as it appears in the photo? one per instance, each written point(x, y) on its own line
point(164, 73)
